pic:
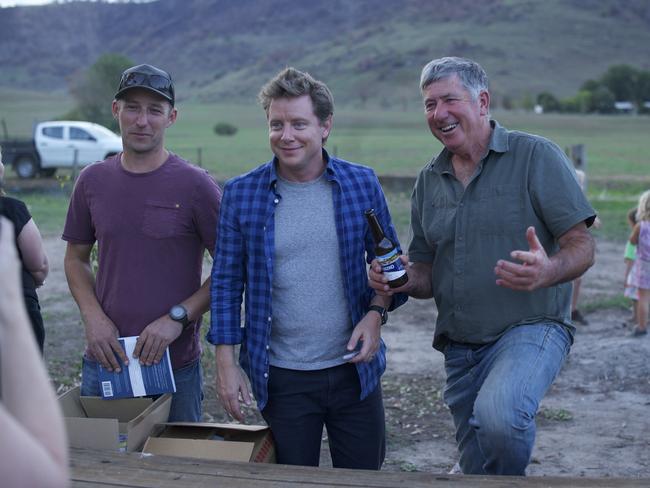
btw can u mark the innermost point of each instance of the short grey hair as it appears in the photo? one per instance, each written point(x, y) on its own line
point(471, 75)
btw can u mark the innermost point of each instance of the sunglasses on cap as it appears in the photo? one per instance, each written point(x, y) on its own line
point(158, 83)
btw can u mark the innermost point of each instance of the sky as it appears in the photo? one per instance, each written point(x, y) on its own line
point(20, 3)
point(14, 3)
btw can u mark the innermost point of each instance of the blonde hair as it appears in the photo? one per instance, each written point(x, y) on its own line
point(291, 83)
point(643, 210)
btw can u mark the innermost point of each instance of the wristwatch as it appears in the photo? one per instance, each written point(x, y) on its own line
point(381, 311)
point(178, 313)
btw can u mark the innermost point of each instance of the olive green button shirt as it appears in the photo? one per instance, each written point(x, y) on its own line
point(523, 180)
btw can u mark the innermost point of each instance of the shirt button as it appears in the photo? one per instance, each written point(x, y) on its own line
point(268, 347)
point(458, 308)
point(269, 319)
point(276, 201)
point(266, 375)
point(460, 238)
point(462, 204)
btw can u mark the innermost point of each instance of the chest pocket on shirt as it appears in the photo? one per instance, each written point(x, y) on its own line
point(438, 220)
point(162, 219)
point(500, 210)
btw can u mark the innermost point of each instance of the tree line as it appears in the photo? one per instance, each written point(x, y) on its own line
point(93, 90)
point(620, 83)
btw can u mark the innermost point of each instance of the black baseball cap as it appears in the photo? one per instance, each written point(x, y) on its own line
point(147, 77)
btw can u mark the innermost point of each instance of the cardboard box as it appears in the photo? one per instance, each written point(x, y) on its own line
point(123, 424)
point(226, 442)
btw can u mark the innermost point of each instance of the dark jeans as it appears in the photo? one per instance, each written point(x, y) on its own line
point(301, 402)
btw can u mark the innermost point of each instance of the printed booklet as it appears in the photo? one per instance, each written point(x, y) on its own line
point(135, 380)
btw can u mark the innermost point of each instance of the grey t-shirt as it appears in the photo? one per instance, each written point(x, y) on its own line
point(311, 324)
point(524, 180)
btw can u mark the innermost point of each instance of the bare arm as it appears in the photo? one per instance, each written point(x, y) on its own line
point(101, 332)
point(33, 446)
point(156, 336)
point(537, 269)
point(31, 248)
point(634, 237)
point(419, 284)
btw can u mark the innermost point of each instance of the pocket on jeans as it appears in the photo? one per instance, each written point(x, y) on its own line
point(161, 219)
point(560, 337)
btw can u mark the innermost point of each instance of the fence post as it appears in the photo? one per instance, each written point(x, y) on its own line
point(579, 156)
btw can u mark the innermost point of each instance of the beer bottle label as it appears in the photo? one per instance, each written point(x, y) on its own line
point(391, 265)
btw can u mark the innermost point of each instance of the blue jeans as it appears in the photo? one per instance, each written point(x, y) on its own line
point(493, 392)
point(186, 402)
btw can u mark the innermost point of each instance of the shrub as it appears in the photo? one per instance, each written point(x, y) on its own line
point(224, 129)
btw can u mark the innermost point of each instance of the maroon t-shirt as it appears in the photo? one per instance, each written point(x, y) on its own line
point(151, 229)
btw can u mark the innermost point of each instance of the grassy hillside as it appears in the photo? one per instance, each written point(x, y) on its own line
point(369, 51)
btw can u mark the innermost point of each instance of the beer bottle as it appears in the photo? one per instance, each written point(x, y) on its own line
point(387, 253)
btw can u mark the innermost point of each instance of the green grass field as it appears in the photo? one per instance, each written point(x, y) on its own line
point(392, 142)
point(400, 143)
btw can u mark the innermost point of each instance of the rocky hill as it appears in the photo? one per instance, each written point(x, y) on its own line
point(367, 50)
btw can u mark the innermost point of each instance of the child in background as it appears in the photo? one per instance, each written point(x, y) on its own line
point(640, 274)
point(628, 257)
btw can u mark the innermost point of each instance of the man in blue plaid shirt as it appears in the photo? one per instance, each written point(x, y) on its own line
point(293, 238)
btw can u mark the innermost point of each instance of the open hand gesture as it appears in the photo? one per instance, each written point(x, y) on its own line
point(533, 272)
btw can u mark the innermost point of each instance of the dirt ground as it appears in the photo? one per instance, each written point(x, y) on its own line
point(593, 422)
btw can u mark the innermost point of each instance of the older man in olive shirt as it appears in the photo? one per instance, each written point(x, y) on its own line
point(499, 231)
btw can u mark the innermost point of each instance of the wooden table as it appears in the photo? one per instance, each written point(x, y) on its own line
point(113, 469)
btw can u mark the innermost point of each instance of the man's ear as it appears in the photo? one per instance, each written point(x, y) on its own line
point(172, 117)
point(327, 127)
point(484, 102)
point(115, 109)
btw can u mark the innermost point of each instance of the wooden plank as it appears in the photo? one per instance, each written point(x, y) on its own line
point(114, 469)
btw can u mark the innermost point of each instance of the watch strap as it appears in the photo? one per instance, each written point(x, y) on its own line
point(381, 311)
point(184, 320)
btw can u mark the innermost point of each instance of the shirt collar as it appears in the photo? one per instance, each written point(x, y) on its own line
point(498, 139)
point(330, 169)
point(498, 143)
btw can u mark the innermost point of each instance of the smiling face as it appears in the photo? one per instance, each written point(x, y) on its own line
point(454, 117)
point(143, 118)
point(296, 137)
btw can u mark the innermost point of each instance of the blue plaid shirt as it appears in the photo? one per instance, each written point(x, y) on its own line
point(244, 256)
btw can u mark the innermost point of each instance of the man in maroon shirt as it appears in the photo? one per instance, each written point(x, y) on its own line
point(152, 215)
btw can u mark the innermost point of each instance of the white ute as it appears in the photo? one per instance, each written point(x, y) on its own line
point(57, 144)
